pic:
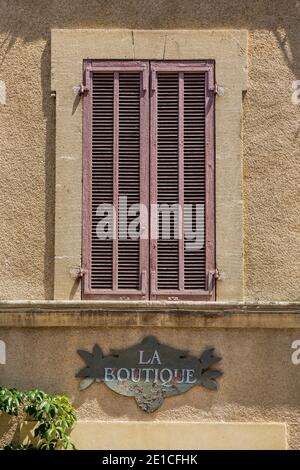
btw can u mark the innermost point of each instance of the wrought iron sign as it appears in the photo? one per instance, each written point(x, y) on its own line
point(149, 371)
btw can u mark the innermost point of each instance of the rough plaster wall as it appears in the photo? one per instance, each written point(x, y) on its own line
point(271, 131)
point(259, 384)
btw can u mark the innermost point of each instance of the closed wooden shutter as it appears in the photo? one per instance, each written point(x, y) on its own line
point(170, 265)
point(182, 176)
point(116, 174)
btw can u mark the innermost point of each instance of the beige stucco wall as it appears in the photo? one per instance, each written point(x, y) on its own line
point(260, 384)
point(170, 435)
point(270, 132)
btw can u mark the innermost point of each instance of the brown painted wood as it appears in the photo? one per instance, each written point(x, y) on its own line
point(210, 185)
point(116, 180)
point(148, 192)
point(87, 172)
point(184, 68)
point(181, 178)
point(118, 69)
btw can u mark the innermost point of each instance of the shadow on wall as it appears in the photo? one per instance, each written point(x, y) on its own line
point(33, 21)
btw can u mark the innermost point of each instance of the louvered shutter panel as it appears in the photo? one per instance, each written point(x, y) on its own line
point(115, 173)
point(182, 174)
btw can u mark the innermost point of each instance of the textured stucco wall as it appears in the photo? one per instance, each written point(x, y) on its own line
point(260, 383)
point(271, 131)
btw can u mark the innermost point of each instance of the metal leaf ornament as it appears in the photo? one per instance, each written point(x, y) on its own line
point(92, 371)
point(208, 376)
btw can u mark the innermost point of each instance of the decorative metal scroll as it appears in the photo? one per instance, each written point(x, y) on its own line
point(149, 371)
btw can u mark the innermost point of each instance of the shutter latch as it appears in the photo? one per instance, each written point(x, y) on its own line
point(82, 89)
point(213, 276)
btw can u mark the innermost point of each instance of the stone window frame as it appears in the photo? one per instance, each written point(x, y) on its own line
point(228, 48)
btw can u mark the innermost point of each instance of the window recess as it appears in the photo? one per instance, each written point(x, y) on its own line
point(148, 180)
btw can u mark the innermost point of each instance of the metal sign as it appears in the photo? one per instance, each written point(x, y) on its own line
point(149, 371)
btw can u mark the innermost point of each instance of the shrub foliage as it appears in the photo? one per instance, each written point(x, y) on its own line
point(54, 415)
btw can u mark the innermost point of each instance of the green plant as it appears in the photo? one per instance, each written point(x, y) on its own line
point(54, 414)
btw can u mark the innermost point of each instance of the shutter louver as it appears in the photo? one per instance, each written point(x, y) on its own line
point(194, 173)
point(102, 175)
point(182, 173)
point(115, 164)
point(167, 178)
point(129, 174)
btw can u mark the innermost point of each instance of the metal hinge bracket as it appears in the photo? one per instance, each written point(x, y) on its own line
point(82, 90)
point(213, 276)
point(81, 273)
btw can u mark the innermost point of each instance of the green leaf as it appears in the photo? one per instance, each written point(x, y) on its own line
point(54, 414)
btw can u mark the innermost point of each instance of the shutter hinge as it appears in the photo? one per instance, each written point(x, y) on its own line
point(213, 276)
point(81, 273)
point(219, 90)
point(82, 90)
point(77, 273)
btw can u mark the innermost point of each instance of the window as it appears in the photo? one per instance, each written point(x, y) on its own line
point(148, 181)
